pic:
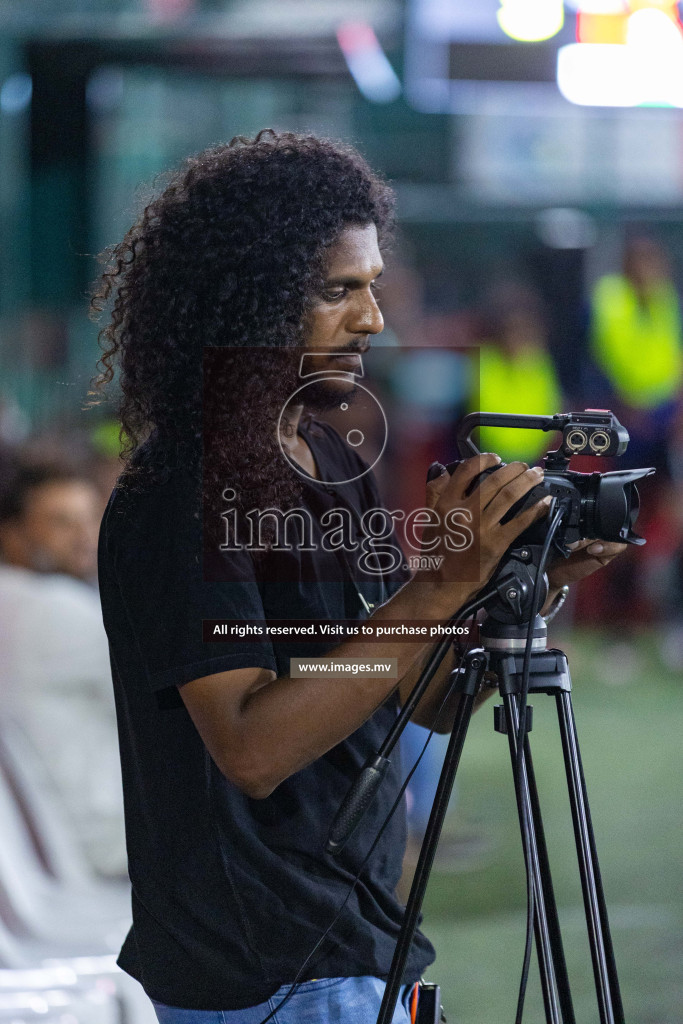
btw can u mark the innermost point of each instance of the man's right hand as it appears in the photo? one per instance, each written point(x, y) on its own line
point(480, 506)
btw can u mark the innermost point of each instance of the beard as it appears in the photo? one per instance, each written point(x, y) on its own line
point(327, 393)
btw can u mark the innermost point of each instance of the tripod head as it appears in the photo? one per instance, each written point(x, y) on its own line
point(506, 626)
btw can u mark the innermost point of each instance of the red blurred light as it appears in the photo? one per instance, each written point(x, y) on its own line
point(356, 35)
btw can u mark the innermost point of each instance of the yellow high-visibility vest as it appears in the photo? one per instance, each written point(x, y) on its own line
point(524, 383)
point(637, 346)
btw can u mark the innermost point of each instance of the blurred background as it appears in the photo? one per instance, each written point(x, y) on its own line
point(536, 149)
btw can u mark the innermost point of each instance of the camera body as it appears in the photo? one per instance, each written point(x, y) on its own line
point(596, 505)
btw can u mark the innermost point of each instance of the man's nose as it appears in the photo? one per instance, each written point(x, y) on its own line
point(366, 317)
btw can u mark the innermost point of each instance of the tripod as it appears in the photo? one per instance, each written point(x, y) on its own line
point(514, 650)
point(502, 653)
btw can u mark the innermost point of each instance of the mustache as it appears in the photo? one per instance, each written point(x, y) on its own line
point(355, 347)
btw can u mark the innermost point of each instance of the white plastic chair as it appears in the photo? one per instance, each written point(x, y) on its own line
point(34, 903)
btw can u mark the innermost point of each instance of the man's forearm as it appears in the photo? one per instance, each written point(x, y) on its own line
point(437, 708)
point(291, 722)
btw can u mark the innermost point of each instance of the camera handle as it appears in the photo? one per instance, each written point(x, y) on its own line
point(549, 675)
point(591, 432)
point(469, 423)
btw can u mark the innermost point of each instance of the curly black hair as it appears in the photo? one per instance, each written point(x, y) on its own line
point(227, 257)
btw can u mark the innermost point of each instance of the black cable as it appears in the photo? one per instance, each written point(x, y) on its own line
point(519, 761)
point(394, 807)
point(468, 611)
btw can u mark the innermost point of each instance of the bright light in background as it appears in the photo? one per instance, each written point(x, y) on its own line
point(659, 5)
point(598, 6)
point(367, 62)
point(530, 21)
point(596, 75)
point(602, 28)
point(16, 92)
point(626, 57)
point(656, 43)
point(627, 53)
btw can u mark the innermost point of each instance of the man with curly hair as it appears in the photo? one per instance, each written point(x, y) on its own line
point(232, 768)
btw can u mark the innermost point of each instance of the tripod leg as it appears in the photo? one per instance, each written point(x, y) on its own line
point(554, 932)
point(543, 939)
point(473, 674)
point(602, 953)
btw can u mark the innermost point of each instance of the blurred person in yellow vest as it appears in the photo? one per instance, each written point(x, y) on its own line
point(516, 371)
point(636, 342)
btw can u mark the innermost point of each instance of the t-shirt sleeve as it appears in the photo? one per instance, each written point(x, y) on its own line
point(154, 558)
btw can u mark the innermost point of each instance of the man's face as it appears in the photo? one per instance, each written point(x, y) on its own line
point(57, 531)
point(345, 314)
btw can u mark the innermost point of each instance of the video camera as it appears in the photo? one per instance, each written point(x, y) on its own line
point(601, 506)
point(596, 505)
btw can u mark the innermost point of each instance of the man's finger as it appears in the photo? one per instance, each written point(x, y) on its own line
point(437, 485)
point(529, 516)
point(499, 483)
point(578, 545)
point(468, 470)
point(603, 550)
point(499, 505)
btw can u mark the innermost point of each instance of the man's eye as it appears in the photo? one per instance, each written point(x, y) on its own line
point(331, 294)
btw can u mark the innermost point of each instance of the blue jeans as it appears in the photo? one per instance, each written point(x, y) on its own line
point(324, 1001)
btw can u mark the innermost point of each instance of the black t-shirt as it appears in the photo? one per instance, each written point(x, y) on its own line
point(230, 894)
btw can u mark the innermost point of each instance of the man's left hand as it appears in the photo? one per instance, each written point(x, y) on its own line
point(586, 557)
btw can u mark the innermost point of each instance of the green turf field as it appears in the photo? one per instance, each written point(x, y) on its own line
point(629, 715)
